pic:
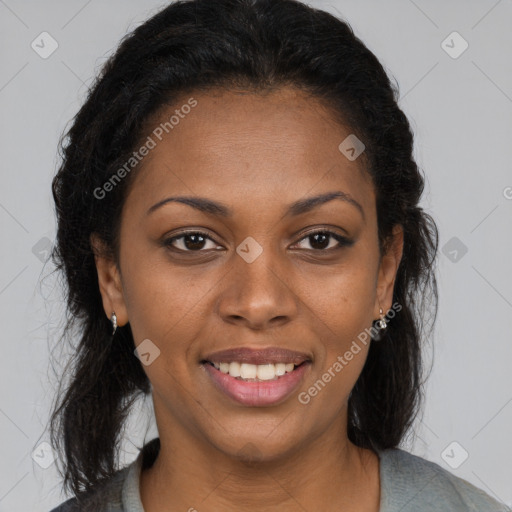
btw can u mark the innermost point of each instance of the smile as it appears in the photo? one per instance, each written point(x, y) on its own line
point(255, 372)
point(256, 385)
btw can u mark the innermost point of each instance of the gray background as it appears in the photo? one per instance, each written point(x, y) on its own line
point(461, 113)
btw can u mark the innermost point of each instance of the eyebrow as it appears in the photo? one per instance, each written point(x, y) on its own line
point(297, 208)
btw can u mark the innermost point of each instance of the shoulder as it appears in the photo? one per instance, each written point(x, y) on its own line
point(105, 497)
point(411, 483)
point(119, 493)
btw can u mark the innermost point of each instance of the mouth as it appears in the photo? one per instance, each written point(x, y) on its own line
point(254, 372)
point(257, 378)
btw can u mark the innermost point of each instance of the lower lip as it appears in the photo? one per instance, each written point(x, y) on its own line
point(257, 394)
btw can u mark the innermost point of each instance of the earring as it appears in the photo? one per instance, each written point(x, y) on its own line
point(113, 319)
point(379, 327)
point(381, 324)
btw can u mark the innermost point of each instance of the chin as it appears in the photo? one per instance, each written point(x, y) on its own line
point(258, 448)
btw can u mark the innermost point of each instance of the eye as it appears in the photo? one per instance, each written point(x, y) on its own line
point(196, 241)
point(324, 240)
point(191, 241)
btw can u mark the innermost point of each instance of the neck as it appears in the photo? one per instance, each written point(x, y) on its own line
point(330, 473)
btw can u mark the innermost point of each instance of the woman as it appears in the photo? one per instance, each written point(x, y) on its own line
point(239, 228)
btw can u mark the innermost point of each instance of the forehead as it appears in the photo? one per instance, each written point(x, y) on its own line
point(237, 145)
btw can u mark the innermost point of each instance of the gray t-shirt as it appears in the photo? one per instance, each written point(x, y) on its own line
point(408, 484)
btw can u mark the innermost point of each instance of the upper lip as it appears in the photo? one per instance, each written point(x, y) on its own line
point(272, 355)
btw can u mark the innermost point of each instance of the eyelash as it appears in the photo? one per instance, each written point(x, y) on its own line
point(342, 241)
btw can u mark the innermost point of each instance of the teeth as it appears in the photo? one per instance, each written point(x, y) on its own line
point(253, 372)
point(248, 371)
point(280, 369)
point(265, 371)
point(234, 369)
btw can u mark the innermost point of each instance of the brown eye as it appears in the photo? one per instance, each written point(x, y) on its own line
point(324, 240)
point(193, 241)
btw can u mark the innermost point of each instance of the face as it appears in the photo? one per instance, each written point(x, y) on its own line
point(262, 268)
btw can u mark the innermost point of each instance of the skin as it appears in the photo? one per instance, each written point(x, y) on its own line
point(256, 154)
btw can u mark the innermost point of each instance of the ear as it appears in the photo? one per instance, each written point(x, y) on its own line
point(109, 280)
point(388, 268)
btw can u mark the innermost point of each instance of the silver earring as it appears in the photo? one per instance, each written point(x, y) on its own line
point(379, 327)
point(381, 324)
point(113, 319)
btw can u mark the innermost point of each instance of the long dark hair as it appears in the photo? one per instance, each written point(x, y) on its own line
point(195, 45)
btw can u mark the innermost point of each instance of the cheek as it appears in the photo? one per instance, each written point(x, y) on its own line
point(345, 309)
point(346, 299)
point(162, 300)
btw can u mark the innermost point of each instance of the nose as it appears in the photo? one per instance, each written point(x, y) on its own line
point(258, 294)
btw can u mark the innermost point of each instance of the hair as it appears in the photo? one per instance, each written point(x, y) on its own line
point(257, 45)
